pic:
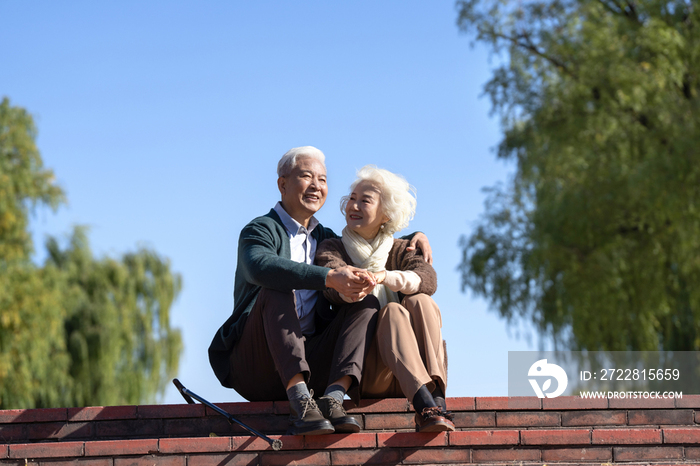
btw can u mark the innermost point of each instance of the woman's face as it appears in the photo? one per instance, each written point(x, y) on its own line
point(363, 211)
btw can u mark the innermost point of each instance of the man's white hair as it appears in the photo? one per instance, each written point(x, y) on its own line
point(397, 197)
point(289, 159)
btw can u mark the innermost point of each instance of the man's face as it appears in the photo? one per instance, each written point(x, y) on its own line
point(304, 190)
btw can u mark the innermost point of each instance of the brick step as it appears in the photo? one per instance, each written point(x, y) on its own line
point(346, 449)
point(490, 430)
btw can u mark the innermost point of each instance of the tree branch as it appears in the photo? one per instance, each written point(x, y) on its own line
point(631, 11)
point(628, 10)
point(528, 45)
point(610, 8)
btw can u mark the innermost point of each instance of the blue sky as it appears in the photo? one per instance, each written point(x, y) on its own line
point(164, 122)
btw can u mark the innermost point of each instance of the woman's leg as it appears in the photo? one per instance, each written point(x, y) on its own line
point(377, 379)
point(427, 322)
point(400, 350)
point(405, 334)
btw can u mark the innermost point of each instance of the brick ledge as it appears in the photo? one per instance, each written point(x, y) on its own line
point(494, 430)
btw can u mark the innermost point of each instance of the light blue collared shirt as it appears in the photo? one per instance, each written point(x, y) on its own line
point(303, 247)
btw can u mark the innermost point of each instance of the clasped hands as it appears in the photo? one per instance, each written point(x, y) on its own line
point(353, 283)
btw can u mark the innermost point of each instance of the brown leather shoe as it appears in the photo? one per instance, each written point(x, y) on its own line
point(433, 420)
point(306, 419)
point(333, 410)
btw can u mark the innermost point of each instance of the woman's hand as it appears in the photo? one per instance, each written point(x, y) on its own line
point(367, 276)
point(379, 277)
point(423, 244)
point(371, 280)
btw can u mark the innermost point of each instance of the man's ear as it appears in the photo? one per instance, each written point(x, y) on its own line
point(281, 184)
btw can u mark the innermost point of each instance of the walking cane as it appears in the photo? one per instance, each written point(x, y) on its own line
point(188, 395)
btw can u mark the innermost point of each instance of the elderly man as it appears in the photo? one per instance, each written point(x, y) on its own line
point(282, 336)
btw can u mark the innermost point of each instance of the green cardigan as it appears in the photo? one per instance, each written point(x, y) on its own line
point(264, 261)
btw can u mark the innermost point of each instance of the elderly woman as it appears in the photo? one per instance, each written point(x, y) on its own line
point(407, 356)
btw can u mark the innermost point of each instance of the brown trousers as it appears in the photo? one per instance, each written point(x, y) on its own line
point(272, 349)
point(407, 350)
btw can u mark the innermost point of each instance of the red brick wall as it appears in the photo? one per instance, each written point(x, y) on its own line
point(563, 430)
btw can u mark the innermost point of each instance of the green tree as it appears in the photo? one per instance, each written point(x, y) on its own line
point(596, 239)
point(32, 350)
point(24, 182)
point(78, 330)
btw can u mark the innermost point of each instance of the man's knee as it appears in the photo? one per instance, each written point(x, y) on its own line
point(371, 302)
point(363, 313)
point(368, 306)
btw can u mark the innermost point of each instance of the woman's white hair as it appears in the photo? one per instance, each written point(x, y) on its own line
point(397, 197)
point(289, 159)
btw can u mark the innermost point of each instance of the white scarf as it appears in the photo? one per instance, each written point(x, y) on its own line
point(371, 256)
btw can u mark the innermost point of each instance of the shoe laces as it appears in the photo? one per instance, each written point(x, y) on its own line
point(335, 404)
point(307, 403)
point(431, 412)
point(427, 413)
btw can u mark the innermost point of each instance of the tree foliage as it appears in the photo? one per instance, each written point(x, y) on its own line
point(596, 239)
point(78, 330)
point(24, 182)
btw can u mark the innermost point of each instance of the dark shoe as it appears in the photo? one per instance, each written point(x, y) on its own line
point(440, 401)
point(433, 420)
point(333, 410)
point(306, 419)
